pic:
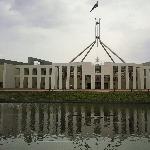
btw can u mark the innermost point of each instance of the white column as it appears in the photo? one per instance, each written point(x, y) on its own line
point(147, 79)
point(21, 77)
point(60, 77)
point(119, 77)
point(47, 79)
point(75, 77)
point(93, 81)
point(53, 77)
point(142, 77)
point(111, 81)
point(68, 78)
point(30, 78)
point(127, 78)
point(83, 81)
point(38, 77)
point(134, 77)
point(102, 81)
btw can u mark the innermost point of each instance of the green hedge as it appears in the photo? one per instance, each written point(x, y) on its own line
point(76, 96)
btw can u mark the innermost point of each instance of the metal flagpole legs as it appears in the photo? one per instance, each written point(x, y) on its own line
point(88, 52)
point(82, 52)
point(113, 52)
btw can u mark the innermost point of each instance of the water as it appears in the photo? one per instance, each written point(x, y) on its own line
point(74, 127)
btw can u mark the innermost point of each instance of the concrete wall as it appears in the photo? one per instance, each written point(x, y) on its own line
point(9, 76)
point(1, 73)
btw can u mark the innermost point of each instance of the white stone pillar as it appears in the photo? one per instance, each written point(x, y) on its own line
point(53, 77)
point(21, 77)
point(134, 77)
point(60, 77)
point(93, 81)
point(142, 77)
point(30, 78)
point(68, 78)
point(111, 81)
point(75, 77)
point(102, 81)
point(127, 78)
point(83, 81)
point(119, 77)
point(38, 77)
point(147, 79)
point(47, 78)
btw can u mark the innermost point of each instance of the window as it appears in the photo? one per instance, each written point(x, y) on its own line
point(43, 71)
point(17, 71)
point(50, 71)
point(26, 71)
point(97, 69)
point(34, 71)
point(144, 72)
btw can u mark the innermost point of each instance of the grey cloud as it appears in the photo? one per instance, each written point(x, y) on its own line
point(42, 13)
point(35, 27)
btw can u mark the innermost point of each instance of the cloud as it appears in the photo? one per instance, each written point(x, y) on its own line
point(58, 30)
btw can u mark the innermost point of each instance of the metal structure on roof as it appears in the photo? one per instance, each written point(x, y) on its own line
point(98, 42)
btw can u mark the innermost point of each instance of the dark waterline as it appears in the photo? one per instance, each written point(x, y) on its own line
point(74, 127)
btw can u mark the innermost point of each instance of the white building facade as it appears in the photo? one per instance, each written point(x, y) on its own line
point(77, 75)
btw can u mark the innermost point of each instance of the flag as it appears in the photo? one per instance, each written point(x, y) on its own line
point(96, 5)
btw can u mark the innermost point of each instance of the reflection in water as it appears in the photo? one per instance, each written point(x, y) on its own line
point(74, 126)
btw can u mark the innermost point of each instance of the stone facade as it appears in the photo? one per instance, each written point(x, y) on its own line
point(77, 75)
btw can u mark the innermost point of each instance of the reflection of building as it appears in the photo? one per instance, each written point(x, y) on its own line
point(76, 75)
point(55, 119)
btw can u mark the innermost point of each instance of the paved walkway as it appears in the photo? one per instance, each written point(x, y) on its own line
point(43, 90)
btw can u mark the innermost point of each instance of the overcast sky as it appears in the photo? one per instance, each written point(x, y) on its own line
point(57, 30)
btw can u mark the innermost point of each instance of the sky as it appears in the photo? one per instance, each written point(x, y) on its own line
point(57, 30)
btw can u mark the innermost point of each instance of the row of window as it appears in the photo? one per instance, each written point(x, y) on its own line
point(34, 71)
